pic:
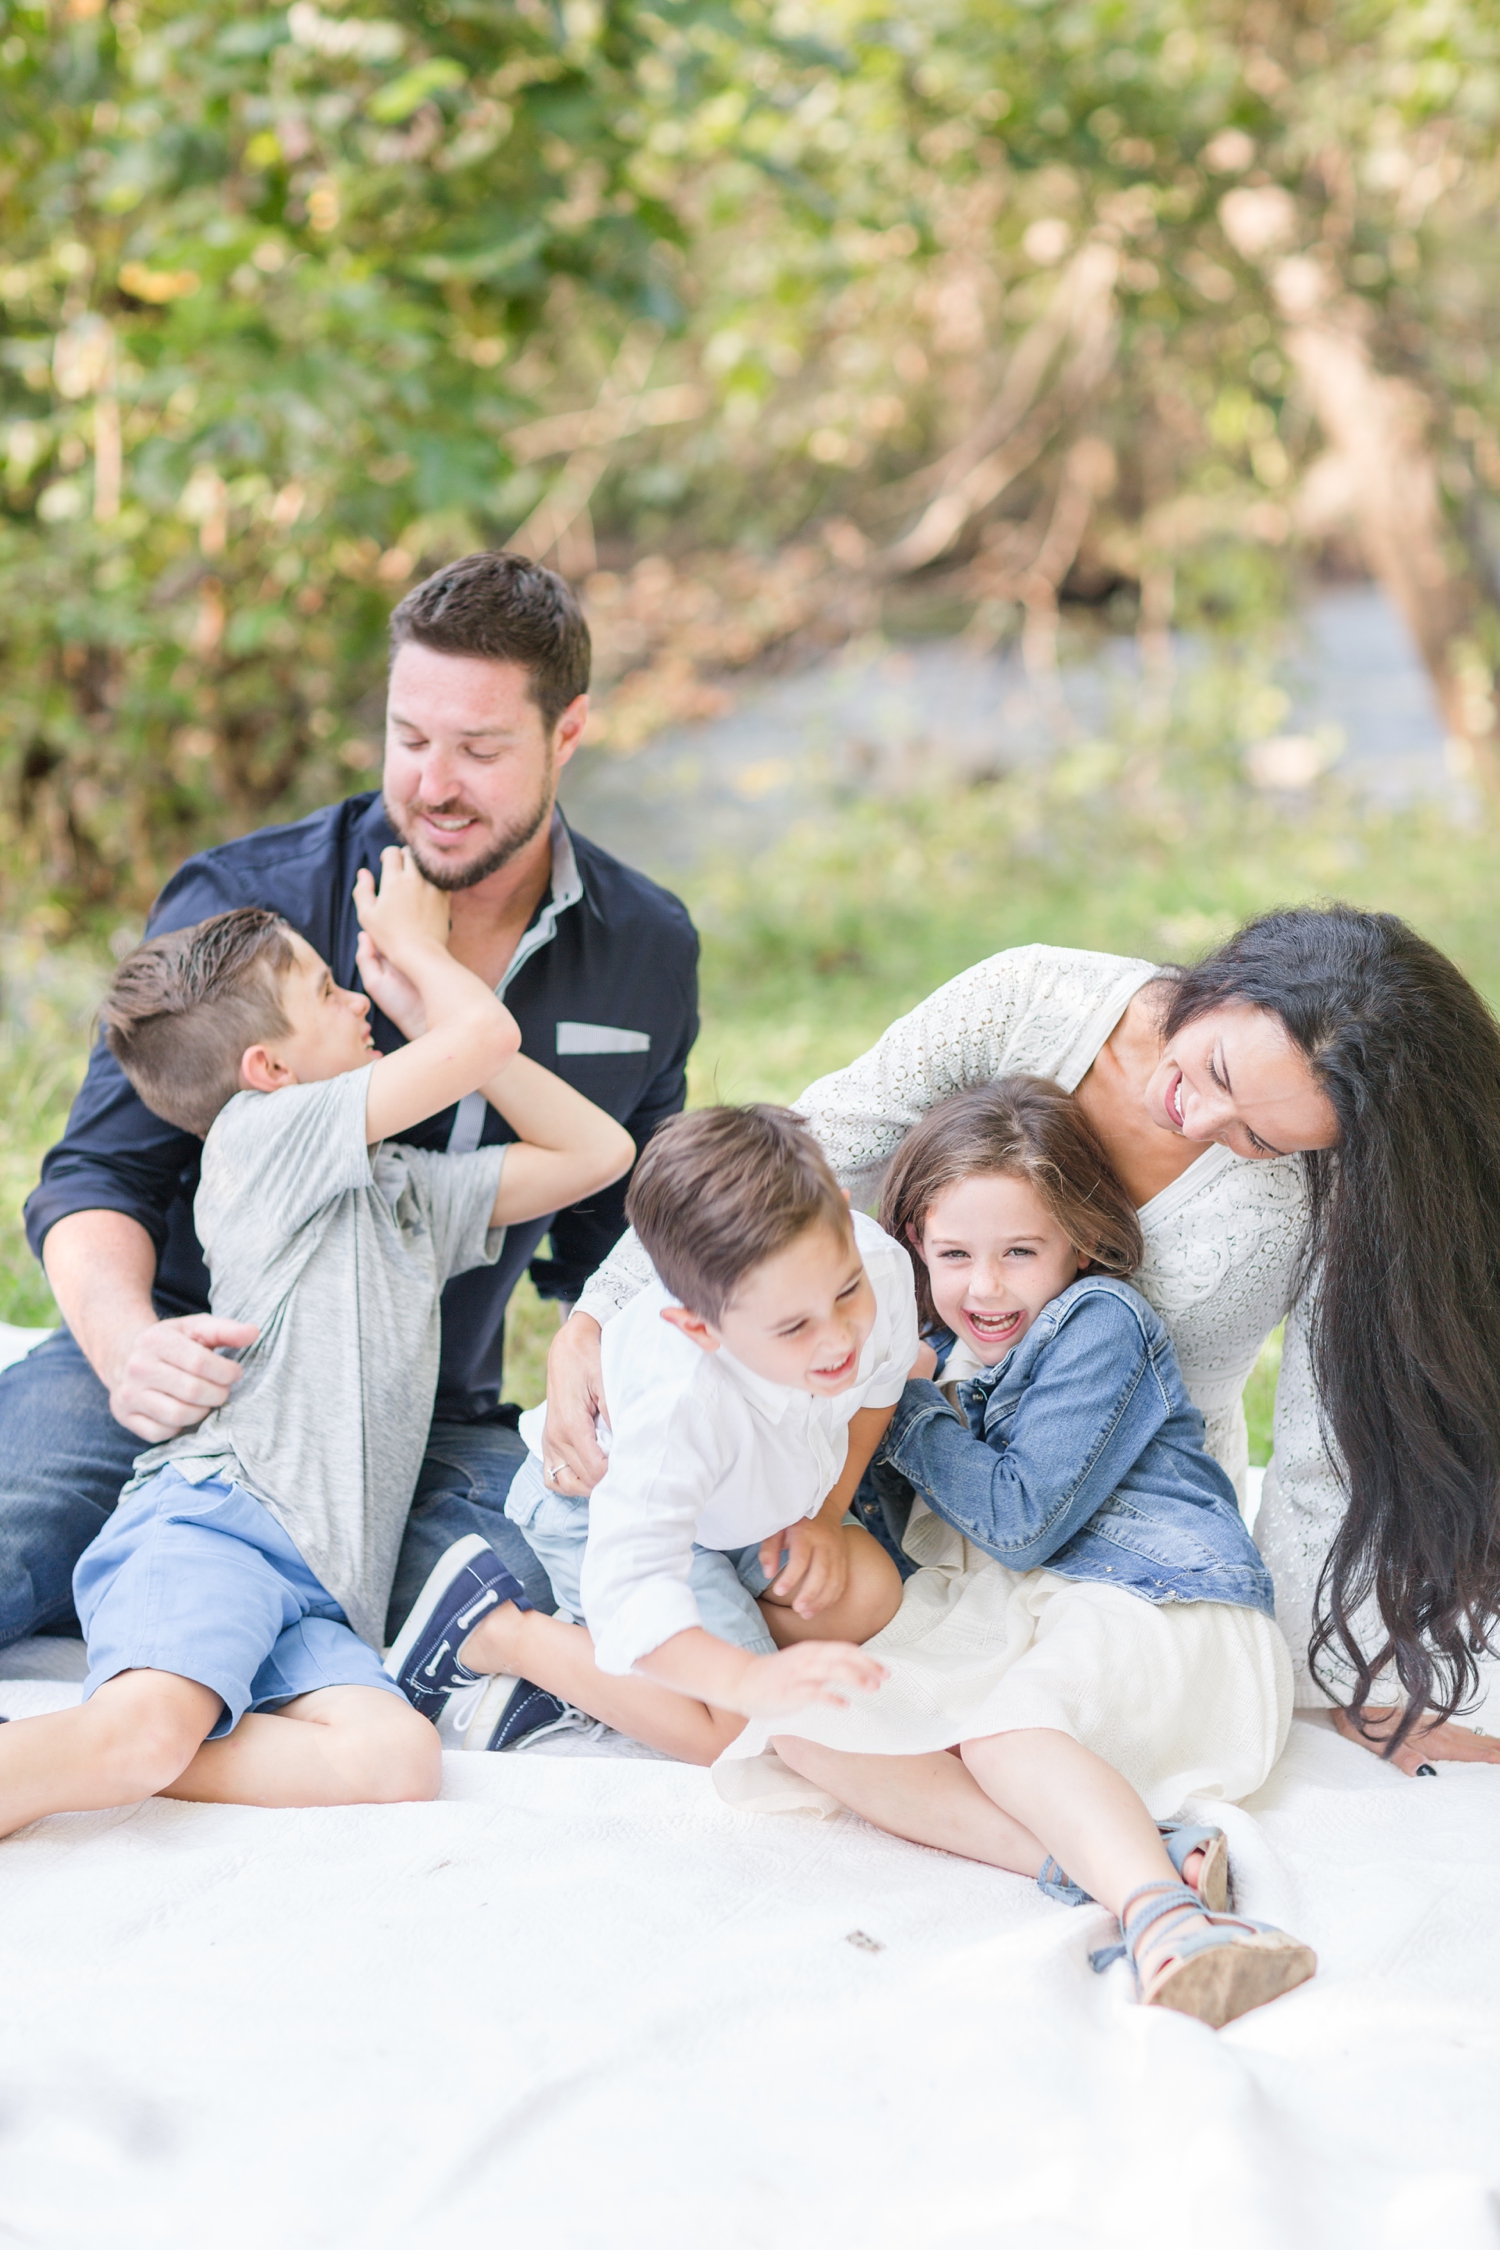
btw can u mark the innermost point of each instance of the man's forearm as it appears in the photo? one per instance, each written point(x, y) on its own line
point(101, 1266)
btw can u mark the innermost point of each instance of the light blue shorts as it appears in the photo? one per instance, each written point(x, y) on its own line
point(201, 1580)
point(725, 1581)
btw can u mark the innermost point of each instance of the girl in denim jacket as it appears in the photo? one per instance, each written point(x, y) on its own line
point(1090, 1629)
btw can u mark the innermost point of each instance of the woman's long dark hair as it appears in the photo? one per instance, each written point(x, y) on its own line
point(1403, 1248)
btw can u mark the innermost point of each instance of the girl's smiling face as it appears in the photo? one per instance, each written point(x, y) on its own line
point(995, 1256)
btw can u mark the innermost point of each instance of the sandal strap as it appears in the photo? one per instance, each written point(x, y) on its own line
point(1155, 1903)
point(1181, 1838)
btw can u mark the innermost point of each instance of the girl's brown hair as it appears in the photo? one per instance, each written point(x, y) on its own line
point(1028, 1129)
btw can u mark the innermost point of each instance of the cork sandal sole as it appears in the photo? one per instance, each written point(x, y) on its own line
point(1226, 1981)
point(1213, 1876)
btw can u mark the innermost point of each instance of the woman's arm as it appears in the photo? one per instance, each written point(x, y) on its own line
point(1090, 1410)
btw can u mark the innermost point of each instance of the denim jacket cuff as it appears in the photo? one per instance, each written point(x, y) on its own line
point(919, 1402)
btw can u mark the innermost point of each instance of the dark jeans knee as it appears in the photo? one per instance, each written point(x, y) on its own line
point(465, 1477)
point(63, 1462)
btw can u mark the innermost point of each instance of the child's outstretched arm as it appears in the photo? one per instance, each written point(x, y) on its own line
point(697, 1663)
point(566, 1146)
point(467, 1034)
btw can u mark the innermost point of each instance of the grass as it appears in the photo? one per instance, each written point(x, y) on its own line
point(810, 951)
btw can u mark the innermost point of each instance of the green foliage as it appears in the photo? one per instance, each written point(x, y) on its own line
point(285, 293)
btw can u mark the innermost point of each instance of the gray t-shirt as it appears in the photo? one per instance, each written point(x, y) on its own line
point(337, 1252)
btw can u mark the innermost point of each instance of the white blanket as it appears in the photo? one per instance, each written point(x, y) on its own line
point(579, 2002)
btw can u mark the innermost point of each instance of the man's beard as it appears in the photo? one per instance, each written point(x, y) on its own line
point(501, 852)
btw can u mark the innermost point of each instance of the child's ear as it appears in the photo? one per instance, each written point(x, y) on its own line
point(688, 1324)
point(914, 1237)
point(261, 1073)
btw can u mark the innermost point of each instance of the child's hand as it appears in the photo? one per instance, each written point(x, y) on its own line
point(393, 994)
point(923, 1367)
point(810, 1672)
point(817, 1566)
point(406, 911)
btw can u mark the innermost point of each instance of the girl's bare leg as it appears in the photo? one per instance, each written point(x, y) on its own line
point(1089, 1817)
point(130, 1740)
point(560, 1658)
point(990, 1808)
point(337, 1746)
point(932, 1800)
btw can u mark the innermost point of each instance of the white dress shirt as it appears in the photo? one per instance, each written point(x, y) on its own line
point(704, 1452)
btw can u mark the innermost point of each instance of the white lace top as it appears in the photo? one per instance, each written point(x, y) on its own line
point(1222, 1242)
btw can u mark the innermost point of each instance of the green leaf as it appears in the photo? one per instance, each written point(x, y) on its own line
point(396, 102)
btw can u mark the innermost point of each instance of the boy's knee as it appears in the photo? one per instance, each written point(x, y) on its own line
point(145, 1742)
point(397, 1760)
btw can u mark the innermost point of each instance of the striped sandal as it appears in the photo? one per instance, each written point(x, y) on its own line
point(1214, 1974)
point(1181, 1840)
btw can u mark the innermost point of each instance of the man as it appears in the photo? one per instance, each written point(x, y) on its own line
point(488, 696)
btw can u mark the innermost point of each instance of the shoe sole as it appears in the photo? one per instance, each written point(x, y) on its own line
point(439, 1579)
point(1213, 1876)
point(1226, 1982)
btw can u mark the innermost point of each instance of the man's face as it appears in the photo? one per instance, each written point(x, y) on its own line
point(470, 773)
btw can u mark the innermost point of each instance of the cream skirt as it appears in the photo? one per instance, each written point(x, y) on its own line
point(1185, 1699)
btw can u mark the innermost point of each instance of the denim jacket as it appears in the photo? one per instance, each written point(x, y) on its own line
point(1082, 1454)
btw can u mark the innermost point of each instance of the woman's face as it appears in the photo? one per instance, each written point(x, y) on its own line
point(1235, 1076)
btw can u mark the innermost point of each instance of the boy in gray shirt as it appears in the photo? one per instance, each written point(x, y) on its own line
point(247, 1567)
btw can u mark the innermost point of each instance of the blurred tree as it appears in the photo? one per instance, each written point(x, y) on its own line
point(275, 287)
point(1123, 299)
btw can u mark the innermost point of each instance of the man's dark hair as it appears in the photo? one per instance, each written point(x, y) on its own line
point(509, 609)
point(721, 1190)
point(183, 1008)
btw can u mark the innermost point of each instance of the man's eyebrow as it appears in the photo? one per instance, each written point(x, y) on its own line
point(469, 734)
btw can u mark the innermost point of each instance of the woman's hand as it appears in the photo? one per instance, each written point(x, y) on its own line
point(572, 1461)
point(924, 1366)
point(1443, 1742)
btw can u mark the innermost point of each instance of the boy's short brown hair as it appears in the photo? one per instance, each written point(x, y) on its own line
point(721, 1190)
point(183, 1008)
point(509, 609)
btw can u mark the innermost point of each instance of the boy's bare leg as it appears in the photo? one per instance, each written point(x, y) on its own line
point(130, 1740)
point(560, 1658)
point(871, 1598)
point(336, 1746)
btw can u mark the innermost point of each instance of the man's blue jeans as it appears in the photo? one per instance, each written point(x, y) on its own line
point(64, 1460)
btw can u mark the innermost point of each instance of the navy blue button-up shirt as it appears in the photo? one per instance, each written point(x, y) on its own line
point(603, 985)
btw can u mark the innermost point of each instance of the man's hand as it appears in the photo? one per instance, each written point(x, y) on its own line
point(812, 1672)
point(1426, 1745)
point(406, 912)
point(817, 1568)
point(173, 1373)
point(571, 1458)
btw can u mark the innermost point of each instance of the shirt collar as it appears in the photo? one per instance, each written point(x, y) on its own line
point(566, 891)
point(770, 1400)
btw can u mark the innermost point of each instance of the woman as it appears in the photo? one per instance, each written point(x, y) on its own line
point(1309, 1124)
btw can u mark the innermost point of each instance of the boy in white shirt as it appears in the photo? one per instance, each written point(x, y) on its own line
point(233, 1602)
point(746, 1393)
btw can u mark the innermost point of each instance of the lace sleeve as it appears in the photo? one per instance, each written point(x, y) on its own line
point(958, 1037)
point(624, 1274)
